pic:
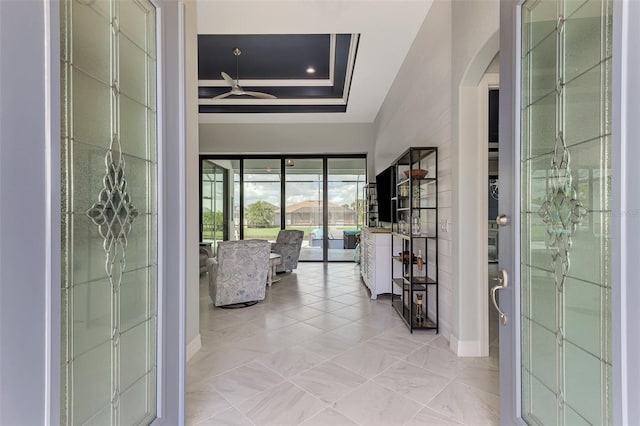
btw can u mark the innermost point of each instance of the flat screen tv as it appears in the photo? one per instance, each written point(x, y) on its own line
point(386, 188)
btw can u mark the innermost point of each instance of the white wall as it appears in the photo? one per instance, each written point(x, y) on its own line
point(307, 138)
point(475, 44)
point(421, 109)
point(417, 112)
point(192, 179)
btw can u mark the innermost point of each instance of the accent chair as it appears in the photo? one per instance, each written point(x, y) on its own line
point(238, 273)
point(288, 245)
point(204, 255)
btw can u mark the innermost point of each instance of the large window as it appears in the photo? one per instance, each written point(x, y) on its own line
point(261, 190)
point(320, 195)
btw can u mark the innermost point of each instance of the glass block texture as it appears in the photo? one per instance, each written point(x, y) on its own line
point(109, 212)
point(565, 205)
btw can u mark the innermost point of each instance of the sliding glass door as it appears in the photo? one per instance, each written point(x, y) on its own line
point(304, 189)
point(213, 203)
point(346, 178)
point(257, 196)
point(261, 196)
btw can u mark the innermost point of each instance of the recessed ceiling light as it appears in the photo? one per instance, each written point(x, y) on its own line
point(311, 70)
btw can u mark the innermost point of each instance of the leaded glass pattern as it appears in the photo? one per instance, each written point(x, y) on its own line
point(565, 175)
point(109, 212)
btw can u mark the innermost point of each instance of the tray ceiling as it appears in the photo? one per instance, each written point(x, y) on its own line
point(305, 72)
point(385, 28)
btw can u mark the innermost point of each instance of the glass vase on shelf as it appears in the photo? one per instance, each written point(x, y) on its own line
point(416, 197)
point(415, 225)
point(402, 227)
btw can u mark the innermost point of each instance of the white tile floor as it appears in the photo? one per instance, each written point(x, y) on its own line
point(319, 351)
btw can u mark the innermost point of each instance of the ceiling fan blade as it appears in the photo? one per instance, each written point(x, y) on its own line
point(228, 79)
point(222, 96)
point(259, 95)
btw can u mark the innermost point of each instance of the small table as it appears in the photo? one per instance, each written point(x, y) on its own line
point(274, 260)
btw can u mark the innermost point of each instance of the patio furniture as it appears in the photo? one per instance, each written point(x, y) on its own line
point(350, 238)
point(288, 246)
point(238, 273)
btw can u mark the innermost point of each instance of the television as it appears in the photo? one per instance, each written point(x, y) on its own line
point(386, 189)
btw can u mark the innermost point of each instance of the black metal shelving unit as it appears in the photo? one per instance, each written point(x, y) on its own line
point(370, 198)
point(414, 242)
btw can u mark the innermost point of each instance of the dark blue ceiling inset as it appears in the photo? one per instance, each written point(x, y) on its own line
point(264, 57)
point(277, 64)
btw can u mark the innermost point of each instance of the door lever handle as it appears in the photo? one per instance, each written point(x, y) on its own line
point(503, 282)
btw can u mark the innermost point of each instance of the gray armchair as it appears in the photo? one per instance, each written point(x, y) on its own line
point(204, 255)
point(288, 245)
point(238, 273)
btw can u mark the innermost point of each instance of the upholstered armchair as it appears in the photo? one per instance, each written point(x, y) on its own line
point(238, 273)
point(288, 245)
point(204, 255)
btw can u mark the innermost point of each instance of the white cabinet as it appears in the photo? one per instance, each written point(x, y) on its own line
point(375, 260)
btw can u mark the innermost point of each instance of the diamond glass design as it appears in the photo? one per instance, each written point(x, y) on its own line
point(561, 211)
point(114, 212)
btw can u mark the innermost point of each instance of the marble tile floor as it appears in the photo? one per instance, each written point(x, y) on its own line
point(319, 351)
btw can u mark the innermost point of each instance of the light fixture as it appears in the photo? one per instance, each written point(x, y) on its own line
point(290, 162)
point(311, 70)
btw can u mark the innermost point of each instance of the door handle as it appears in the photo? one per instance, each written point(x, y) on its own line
point(503, 282)
point(502, 220)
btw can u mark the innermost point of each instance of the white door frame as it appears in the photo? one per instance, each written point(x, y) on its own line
point(488, 81)
point(625, 208)
point(625, 221)
point(29, 212)
point(510, 390)
point(30, 249)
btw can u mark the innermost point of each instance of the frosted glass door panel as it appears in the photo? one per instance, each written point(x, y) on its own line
point(565, 175)
point(109, 212)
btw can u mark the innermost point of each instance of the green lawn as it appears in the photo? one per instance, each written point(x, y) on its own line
point(270, 233)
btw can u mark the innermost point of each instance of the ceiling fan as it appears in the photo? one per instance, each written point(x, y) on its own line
point(236, 89)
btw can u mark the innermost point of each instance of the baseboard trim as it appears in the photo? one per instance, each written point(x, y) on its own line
point(193, 346)
point(464, 348)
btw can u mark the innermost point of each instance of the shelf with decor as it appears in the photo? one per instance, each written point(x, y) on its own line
point(370, 197)
point(414, 240)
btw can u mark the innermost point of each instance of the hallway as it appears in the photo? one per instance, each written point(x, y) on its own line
point(319, 351)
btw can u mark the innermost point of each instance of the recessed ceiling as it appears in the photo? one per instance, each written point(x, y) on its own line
point(305, 72)
point(386, 31)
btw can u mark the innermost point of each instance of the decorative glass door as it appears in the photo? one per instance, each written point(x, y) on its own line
point(109, 212)
point(565, 293)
